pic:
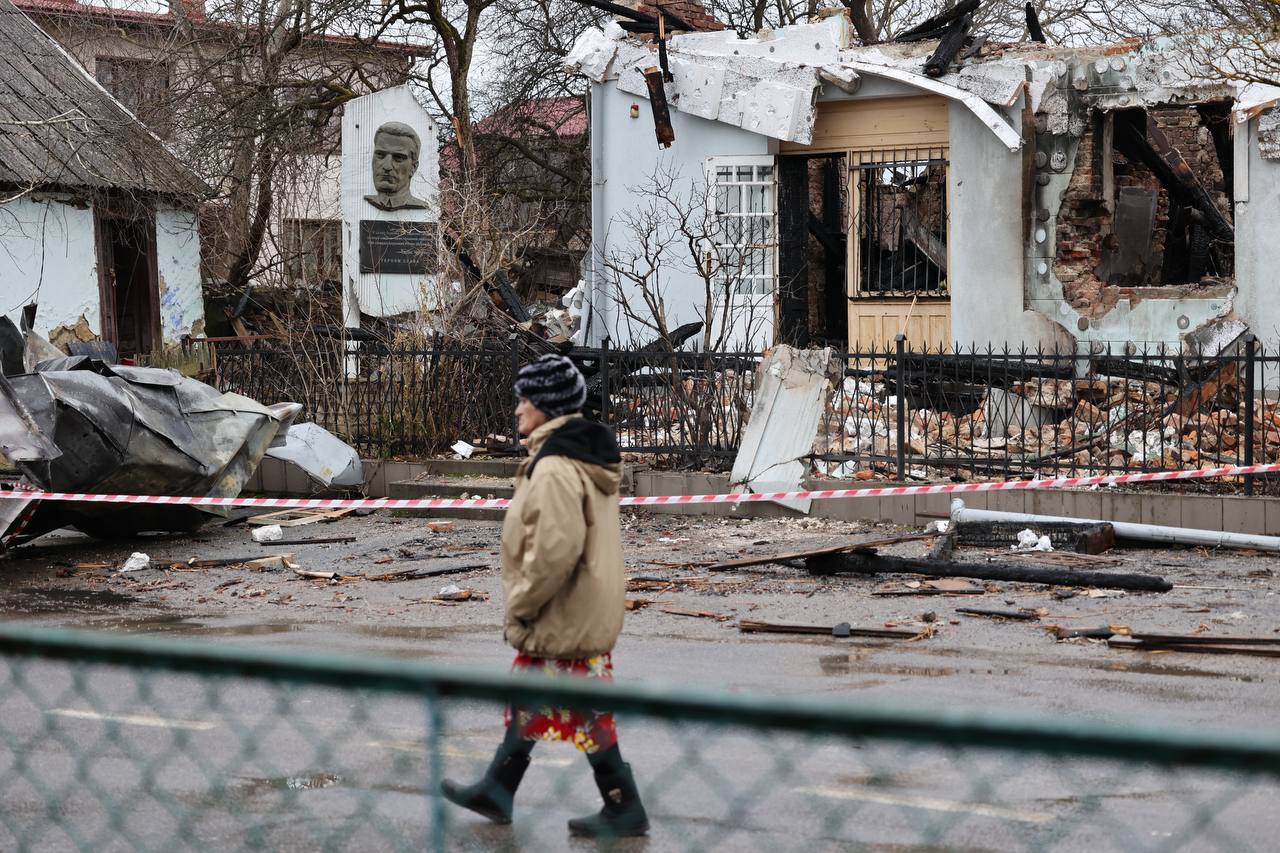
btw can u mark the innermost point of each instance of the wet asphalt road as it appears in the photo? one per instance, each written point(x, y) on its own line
point(238, 764)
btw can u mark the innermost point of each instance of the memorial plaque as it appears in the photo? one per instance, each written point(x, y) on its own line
point(406, 248)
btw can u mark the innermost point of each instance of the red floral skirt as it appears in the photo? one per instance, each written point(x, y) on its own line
point(589, 731)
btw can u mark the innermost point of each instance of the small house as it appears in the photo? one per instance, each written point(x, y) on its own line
point(807, 189)
point(98, 225)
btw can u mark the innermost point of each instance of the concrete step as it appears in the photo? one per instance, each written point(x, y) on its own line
point(453, 487)
point(504, 466)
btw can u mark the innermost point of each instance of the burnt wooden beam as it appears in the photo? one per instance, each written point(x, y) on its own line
point(642, 27)
point(662, 128)
point(939, 21)
point(1187, 177)
point(819, 231)
point(864, 563)
point(1142, 141)
point(1216, 118)
point(1034, 30)
point(663, 62)
point(952, 40)
point(673, 21)
point(620, 367)
point(509, 299)
point(793, 250)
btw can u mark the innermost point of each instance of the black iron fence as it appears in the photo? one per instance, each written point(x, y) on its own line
point(895, 413)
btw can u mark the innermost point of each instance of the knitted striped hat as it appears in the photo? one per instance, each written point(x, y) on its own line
point(553, 384)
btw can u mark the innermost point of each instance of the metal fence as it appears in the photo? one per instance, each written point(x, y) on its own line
point(898, 413)
point(110, 742)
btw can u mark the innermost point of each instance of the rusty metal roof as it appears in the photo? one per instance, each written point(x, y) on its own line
point(60, 128)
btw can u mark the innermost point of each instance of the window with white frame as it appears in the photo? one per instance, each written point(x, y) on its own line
point(742, 195)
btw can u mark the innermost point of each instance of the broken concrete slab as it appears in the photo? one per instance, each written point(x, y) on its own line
point(592, 54)
point(326, 459)
point(792, 387)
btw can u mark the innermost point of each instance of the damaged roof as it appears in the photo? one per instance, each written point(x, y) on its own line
point(59, 127)
point(769, 83)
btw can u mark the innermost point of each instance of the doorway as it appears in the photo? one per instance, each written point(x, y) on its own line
point(127, 281)
point(864, 222)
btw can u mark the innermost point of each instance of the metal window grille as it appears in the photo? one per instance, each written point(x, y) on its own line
point(900, 218)
point(746, 239)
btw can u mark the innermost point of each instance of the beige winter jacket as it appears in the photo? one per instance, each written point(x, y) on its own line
point(562, 570)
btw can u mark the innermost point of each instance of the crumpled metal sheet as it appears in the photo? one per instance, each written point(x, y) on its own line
point(326, 459)
point(76, 424)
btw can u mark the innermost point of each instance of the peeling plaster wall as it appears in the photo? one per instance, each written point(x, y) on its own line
point(987, 258)
point(626, 156)
point(178, 265)
point(47, 255)
point(1257, 249)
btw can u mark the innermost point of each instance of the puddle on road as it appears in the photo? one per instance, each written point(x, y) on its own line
point(1146, 668)
point(186, 625)
point(249, 786)
point(860, 662)
point(883, 780)
point(28, 600)
point(189, 625)
point(852, 664)
point(418, 632)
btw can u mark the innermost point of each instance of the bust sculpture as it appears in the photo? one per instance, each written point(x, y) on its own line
point(395, 161)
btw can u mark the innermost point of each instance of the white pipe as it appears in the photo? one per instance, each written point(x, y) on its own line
point(1126, 529)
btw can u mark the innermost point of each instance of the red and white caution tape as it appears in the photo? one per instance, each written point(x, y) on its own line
point(656, 500)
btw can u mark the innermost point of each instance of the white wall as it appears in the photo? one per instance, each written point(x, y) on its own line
point(178, 265)
point(1257, 249)
point(47, 256)
point(988, 255)
point(625, 156)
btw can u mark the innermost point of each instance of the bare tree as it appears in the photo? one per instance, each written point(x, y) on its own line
point(673, 234)
point(454, 27)
point(1065, 21)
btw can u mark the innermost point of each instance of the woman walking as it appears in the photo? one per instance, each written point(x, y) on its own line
point(562, 577)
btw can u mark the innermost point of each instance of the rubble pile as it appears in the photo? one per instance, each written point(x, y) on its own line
point(689, 410)
point(1086, 426)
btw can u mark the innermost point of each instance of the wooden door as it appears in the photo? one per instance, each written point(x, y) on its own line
point(127, 279)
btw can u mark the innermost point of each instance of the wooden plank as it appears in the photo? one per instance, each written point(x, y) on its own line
point(296, 517)
point(817, 552)
point(878, 123)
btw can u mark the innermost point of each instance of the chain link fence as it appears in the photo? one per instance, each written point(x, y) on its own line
point(111, 742)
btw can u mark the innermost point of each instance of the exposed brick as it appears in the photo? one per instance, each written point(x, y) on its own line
point(1082, 216)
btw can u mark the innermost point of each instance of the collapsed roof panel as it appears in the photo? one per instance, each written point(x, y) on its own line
point(79, 425)
point(769, 84)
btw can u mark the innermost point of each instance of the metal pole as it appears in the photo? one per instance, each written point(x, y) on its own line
point(1250, 351)
point(514, 343)
point(604, 381)
point(960, 514)
point(900, 371)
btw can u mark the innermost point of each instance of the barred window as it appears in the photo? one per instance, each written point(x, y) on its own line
point(745, 229)
point(900, 223)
